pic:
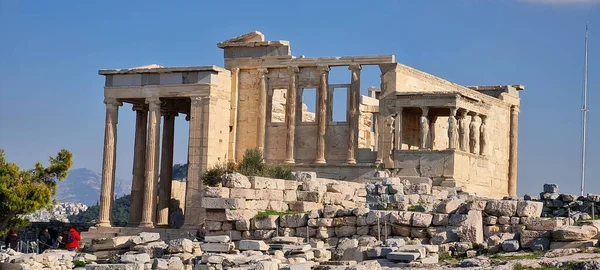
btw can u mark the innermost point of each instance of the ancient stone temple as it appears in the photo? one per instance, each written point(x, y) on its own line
point(414, 125)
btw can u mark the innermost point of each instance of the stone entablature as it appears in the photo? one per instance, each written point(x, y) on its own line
point(415, 125)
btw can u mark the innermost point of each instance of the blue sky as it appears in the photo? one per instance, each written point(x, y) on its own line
point(51, 95)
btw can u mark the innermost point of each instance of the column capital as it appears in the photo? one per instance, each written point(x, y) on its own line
point(425, 111)
point(112, 102)
point(354, 67)
point(453, 111)
point(323, 69)
point(198, 101)
point(263, 71)
point(483, 118)
point(139, 107)
point(235, 70)
point(153, 101)
point(169, 113)
point(187, 118)
point(515, 109)
point(293, 69)
point(464, 112)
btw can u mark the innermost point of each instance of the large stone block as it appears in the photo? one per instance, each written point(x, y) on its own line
point(501, 208)
point(293, 221)
point(449, 206)
point(421, 220)
point(290, 195)
point(236, 180)
point(401, 217)
point(221, 203)
point(574, 233)
point(240, 214)
point(217, 192)
point(310, 196)
point(542, 224)
point(180, 245)
point(217, 247)
point(403, 256)
point(258, 205)
point(266, 222)
point(419, 188)
point(341, 188)
point(243, 193)
point(529, 209)
point(267, 265)
point(267, 183)
point(135, 258)
point(118, 242)
point(269, 195)
point(278, 206)
point(253, 245)
point(304, 176)
point(345, 231)
point(305, 206)
point(145, 237)
point(128, 266)
point(217, 239)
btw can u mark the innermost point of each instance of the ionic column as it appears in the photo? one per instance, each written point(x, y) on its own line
point(166, 168)
point(452, 129)
point(398, 129)
point(290, 118)
point(474, 134)
point(108, 161)
point(353, 113)
point(262, 109)
point(483, 135)
point(151, 179)
point(463, 131)
point(139, 164)
point(322, 114)
point(424, 128)
point(513, 148)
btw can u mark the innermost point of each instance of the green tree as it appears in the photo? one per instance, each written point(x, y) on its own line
point(179, 171)
point(27, 191)
point(120, 213)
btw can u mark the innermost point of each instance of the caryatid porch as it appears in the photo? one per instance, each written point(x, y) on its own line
point(449, 137)
point(163, 93)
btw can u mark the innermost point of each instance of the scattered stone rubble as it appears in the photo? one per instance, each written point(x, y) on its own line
point(313, 223)
point(61, 211)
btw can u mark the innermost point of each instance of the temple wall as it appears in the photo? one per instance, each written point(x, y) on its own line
point(247, 122)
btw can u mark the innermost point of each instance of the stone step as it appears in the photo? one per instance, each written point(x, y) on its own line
point(574, 244)
point(403, 256)
point(416, 180)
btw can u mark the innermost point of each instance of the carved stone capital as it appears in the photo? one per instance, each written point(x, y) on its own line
point(323, 69)
point(263, 71)
point(483, 118)
point(515, 109)
point(153, 101)
point(199, 101)
point(235, 71)
point(425, 111)
point(453, 111)
point(293, 69)
point(112, 103)
point(139, 107)
point(355, 67)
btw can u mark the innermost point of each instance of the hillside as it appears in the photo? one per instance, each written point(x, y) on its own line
point(83, 186)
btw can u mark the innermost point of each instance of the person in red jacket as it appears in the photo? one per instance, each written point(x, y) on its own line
point(72, 239)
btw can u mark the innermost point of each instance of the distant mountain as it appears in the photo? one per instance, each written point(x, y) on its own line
point(83, 186)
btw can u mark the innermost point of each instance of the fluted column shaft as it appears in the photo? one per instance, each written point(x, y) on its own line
point(322, 114)
point(513, 150)
point(262, 109)
point(290, 118)
point(166, 168)
point(452, 129)
point(353, 113)
point(108, 162)
point(424, 128)
point(152, 160)
point(398, 129)
point(139, 165)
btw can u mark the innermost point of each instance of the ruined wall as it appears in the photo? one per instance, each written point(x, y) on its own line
point(247, 122)
point(487, 175)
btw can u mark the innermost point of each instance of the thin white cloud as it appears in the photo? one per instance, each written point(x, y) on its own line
point(563, 2)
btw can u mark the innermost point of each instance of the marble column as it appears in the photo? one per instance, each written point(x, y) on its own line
point(166, 168)
point(139, 164)
point(424, 128)
point(290, 118)
point(452, 129)
point(474, 134)
point(322, 114)
point(152, 160)
point(262, 109)
point(108, 161)
point(353, 113)
point(398, 129)
point(483, 136)
point(513, 149)
point(463, 131)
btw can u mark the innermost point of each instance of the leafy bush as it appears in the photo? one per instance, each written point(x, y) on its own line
point(79, 263)
point(212, 177)
point(279, 171)
point(253, 163)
